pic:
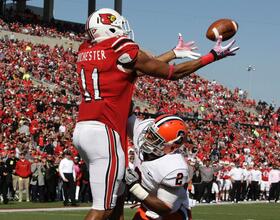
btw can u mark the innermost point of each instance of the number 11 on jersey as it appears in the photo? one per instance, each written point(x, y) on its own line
point(95, 85)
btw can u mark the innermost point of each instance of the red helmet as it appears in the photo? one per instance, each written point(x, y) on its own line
point(165, 131)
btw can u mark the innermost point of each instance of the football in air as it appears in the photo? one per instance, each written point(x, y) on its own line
point(225, 27)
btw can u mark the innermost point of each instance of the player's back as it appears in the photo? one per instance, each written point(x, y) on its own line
point(105, 86)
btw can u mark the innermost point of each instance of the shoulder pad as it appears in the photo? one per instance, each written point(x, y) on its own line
point(122, 42)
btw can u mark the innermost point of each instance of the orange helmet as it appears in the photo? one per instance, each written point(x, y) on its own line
point(166, 130)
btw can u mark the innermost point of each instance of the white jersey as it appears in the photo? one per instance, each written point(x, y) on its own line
point(163, 177)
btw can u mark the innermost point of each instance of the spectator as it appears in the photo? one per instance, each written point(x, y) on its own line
point(237, 177)
point(37, 181)
point(67, 173)
point(51, 179)
point(274, 180)
point(256, 177)
point(78, 177)
point(207, 175)
point(11, 177)
point(23, 171)
point(85, 192)
point(196, 181)
point(3, 181)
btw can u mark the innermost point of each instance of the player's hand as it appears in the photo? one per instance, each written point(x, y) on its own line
point(131, 177)
point(220, 51)
point(184, 49)
point(132, 180)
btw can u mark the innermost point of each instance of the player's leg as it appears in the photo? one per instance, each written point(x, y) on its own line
point(100, 147)
point(118, 212)
point(262, 190)
point(216, 192)
point(227, 189)
point(266, 190)
point(20, 188)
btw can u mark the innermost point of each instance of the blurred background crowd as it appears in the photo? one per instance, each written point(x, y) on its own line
point(38, 108)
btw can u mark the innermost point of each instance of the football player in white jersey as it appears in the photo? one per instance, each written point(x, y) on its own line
point(160, 175)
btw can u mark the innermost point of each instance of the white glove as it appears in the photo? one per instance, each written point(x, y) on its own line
point(183, 49)
point(220, 52)
point(132, 180)
point(131, 177)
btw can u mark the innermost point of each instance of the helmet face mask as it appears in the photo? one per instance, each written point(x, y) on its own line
point(106, 23)
point(163, 136)
point(152, 142)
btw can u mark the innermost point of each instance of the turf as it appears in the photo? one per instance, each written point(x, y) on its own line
point(31, 205)
point(223, 212)
point(238, 212)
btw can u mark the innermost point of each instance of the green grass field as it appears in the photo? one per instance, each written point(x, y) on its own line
point(259, 211)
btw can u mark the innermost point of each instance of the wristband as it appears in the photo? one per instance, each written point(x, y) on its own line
point(208, 58)
point(171, 71)
point(139, 191)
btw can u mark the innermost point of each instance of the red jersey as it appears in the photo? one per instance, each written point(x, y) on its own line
point(106, 88)
point(265, 172)
point(226, 173)
point(23, 168)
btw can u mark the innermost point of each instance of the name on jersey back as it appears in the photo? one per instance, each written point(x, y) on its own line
point(91, 55)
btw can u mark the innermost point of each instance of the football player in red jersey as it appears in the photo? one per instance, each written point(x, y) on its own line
point(264, 187)
point(108, 64)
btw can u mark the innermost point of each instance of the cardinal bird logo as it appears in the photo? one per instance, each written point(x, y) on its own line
point(107, 18)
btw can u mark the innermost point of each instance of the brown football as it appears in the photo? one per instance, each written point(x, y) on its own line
point(225, 27)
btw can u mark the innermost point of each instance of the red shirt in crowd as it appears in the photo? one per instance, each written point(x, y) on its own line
point(265, 172)
point(23, 168)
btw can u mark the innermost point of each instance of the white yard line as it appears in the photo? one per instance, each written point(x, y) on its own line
point(126, 206)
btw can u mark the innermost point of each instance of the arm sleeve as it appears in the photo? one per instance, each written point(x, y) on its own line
point(29, 168)
point(33, 168)
point(260, 177)
point(60, 170)
point(217, 168)
point(127, 51)
point(130, 125)
point(74, 172)
point(172, 196)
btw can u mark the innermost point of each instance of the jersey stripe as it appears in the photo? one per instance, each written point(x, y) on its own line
point(121, 43)
point(108, 169)
point(118, 40)
point(117, 164)
point(111, 175)
point(124, 45)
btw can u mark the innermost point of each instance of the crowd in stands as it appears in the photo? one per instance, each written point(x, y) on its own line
point(30, 23)
point(39, 93)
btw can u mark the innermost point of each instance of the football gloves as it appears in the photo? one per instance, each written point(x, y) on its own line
point(184, 49)
point(220, 52)
point(131, 177)
point(132, 180)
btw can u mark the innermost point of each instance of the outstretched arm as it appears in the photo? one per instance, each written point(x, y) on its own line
point(166, 57)
point(182, 50)
point(152, 66)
